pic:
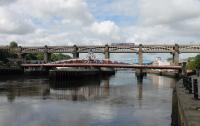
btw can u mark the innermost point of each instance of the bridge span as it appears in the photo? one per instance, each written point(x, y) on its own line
point(140, 49)
point(105, 65)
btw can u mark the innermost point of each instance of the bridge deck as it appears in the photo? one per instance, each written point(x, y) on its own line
point(104, 65)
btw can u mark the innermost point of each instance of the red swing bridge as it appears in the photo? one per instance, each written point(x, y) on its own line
point(98, 63)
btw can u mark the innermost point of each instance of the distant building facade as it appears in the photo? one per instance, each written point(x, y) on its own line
point(160, 62)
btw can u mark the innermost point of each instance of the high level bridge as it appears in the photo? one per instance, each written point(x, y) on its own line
point(140, 49)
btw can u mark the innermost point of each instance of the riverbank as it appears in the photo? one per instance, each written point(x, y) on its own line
point(163, 73)
point(188, 109)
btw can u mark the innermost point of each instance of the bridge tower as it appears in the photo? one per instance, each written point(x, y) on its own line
point(140, 55)
point(75, 52)
point(20, 55)
point(106, 52)
point(47, 56)
point(139, 72)
point(176, 54)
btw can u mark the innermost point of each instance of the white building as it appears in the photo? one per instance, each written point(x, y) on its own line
point(160, 62)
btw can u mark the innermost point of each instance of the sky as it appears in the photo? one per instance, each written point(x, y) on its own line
point(86, 22)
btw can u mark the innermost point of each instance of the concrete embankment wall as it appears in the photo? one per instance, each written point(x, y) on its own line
point(11, 71)
point(185, 107)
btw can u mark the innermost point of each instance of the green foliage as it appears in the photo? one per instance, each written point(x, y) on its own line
point(31, 57)
point(59, 56)
point(193, 62)
point(13, 44)
point(40, 56)
point(4, 55)
point(36, 56)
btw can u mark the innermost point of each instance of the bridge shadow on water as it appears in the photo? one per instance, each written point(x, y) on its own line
point(71, 89)
point(80, 90)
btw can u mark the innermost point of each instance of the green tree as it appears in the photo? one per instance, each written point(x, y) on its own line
point(40, 56)
point(197, 61)
point(193, 62)
point(59, 56)
point(31, 57)
point(13, 44)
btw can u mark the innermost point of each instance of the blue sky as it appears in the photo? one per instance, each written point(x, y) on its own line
point(86, 22)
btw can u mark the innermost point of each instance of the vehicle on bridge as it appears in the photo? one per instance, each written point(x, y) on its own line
point(122, 44)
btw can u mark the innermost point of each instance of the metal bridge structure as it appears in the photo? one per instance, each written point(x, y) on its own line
point(140, 49)
point(97, 64)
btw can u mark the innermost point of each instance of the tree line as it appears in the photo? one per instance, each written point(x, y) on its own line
point(193, 62)
point(5, 55)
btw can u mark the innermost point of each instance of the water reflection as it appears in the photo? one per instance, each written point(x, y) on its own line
point(75, 90)
point(79, 90)
point(23, 88)
point(107, 101)
point(139, 90)
point(160, 81)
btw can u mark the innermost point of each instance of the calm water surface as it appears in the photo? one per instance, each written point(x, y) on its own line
point(110, 101)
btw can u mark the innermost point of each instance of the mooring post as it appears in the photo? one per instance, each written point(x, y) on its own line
point(75, 52)
point(176, 54)
point(198, 71)
point(195, 86)
point(106, 52)
point(190, 85)
point(184, 69)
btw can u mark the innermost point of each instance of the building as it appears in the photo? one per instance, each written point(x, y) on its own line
point(160, 62)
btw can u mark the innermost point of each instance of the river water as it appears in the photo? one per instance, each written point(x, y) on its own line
point(107, 101)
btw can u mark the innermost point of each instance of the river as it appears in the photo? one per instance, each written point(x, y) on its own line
point(107, 101)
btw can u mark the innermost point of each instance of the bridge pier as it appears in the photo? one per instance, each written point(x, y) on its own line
point(140, 75)
point(176, 54)
point(140, 55)
point(139, 72)
point(21, 57)
point(106, 52)
point(75, 52)
point(47, 56)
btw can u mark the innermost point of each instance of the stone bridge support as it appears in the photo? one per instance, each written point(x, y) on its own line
point(140, 55)
point(139, 72)
point(106, 52)
point(47, 56)
point(21, 56)
point(176, 54)
point(75, 52)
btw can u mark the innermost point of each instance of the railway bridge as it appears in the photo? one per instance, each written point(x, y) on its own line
point(140, 49)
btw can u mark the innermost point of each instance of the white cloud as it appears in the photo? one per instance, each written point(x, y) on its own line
point(4, 2)
point(104, 28)
point(10, 23)
point(62, 22)
point(161, 20)
point(165, 12)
